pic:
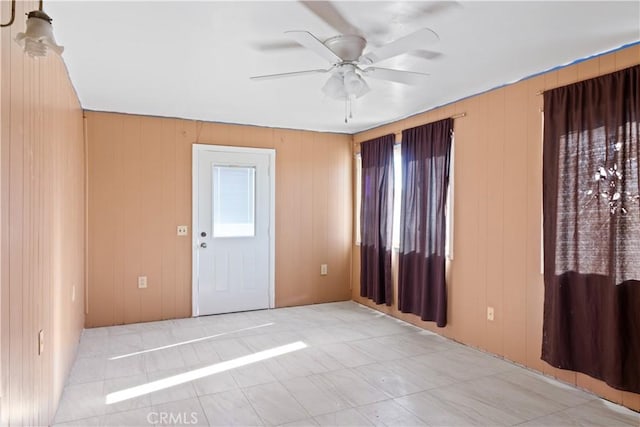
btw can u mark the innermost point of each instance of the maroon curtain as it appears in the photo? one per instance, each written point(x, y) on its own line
point(422, 288)
point(376, 219)
point(592, 228)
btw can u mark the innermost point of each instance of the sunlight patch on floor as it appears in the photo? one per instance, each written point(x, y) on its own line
point(189, 341)
point(195, 374)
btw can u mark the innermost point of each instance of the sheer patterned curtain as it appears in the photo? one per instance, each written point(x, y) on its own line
point(592, 228)
point(376, 219)
point(422, 288)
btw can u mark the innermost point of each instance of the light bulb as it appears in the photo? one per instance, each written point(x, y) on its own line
point(354, 84)
point(334, 87)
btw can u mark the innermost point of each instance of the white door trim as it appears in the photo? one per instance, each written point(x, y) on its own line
point(197, 148)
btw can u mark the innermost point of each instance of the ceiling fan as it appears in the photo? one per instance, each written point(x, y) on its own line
point(349, 63)
point(345, 54)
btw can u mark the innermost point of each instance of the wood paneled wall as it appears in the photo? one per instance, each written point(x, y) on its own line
point(498, 219)
point(140, 190)
point(42, 227)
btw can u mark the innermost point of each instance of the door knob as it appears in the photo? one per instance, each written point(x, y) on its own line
point(203, 245)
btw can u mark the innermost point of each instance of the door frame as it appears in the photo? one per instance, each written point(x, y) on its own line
point(271, 173)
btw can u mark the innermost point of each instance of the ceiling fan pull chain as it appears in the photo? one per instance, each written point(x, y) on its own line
point(351, 107)
point(345, 110)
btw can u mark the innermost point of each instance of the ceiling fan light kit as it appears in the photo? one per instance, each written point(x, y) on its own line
point(345, 83)
point(347, 57)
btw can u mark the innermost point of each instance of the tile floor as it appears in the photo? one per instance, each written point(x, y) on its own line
point(337, 364)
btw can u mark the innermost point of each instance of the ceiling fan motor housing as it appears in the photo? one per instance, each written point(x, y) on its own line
point(348, 47)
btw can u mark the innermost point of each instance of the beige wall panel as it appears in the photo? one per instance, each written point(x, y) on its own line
point(495, 198)
point(129, 206)
point(561, 374)
point(606, 64)
point(588, 69)
point(16, 234)
point(293, 197)
point(498, 219)
point(627, 57)
point(5, 135)
point(103, 256)
point(598, 387)
point(320, 209)
point(168, 212)
point(458, 305)
point(567, 76)
point(156, 168)
point(118, 187)
point(551, 81)
point(184, 136)
point(41, 228)
point(151, 224)
point(481, 138)
point(534, 294)
point(342, 233)
point(254, 136)
point(631, 400)
point(514, 237)
point(466, 292)
point(338, 220)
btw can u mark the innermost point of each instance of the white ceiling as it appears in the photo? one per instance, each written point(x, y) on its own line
point(194, 59)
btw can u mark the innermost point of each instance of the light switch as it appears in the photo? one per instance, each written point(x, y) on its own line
point(142, 282)
point(183, 230)
point(323, 269)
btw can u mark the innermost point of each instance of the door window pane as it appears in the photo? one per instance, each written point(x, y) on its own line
point(234, 201)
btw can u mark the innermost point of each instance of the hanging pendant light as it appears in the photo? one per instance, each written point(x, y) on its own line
point(38, 38)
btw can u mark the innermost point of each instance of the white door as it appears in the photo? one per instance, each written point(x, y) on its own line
point(233, 210)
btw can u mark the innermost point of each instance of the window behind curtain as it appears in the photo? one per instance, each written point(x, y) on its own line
point(376, 219)
point(597, 203)
point(397, 162)
point(397, 181)
point(422, 286)
point(592, 228)
point(358, 207)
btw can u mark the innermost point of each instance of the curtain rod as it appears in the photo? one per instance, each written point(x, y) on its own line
point(455, 116)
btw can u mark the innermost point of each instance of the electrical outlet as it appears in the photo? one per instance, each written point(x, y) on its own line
point(183, 230)
point(490, 313)
point(323, 269)
point(142, 282)
point(40, 342)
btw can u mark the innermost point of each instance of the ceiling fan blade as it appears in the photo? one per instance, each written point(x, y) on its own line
point(309, 41)
point(276, 45)
point(426, 54)
point(435, 7)
point(291, 74)
point(405, 44)
point(400, 76)
point(328, 13)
